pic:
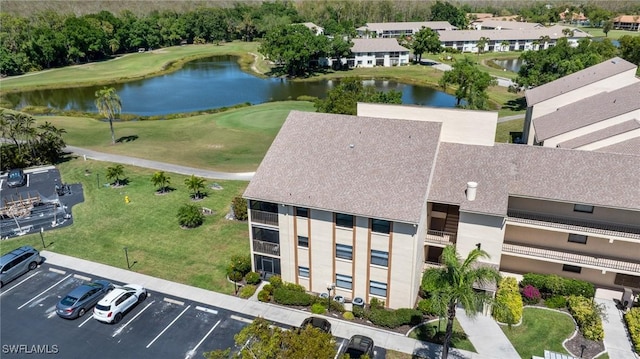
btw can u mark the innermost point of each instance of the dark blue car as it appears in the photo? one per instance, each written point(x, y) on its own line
point(83, 298)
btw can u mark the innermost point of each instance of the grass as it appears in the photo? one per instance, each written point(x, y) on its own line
point(427, 332)
point(505, 128)
point(540, 329)
point(148, 226)
point(231, 141)
point(613, 34)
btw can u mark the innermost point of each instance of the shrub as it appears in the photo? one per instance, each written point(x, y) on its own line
point(252, 278)
point(426, 307)
point(348, 316)
point(268, 288)
point(240, 263)
point(318, 308)
point(190, 216)
point(358, 312)
point(557, 301)
point(409, 316)
point(290, 297)
point(508, 307)
point(337, 306)
point(587, 314)
point(579, 287)
point(264, 296)
point(306, 98)
point(394, 318)
point(235, 276)
point(293, 287)
point(632, 318)
point(550, 285)
point(275, 281)
point(239, 206)
point(531, 294)
point(247, 291)
point(376, 303)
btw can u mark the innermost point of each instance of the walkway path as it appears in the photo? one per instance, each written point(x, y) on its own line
point(486, 336)
point(616, 338)
point(160, 166)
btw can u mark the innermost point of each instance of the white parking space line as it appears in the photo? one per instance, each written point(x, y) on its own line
point(28, 178)
point(44, 291)
point(192, 352)
point(81, 277)
point(51, 312)
point(89, 317)
point(173, 301)
point(132, 319)
point(241, 319)
point(24, 280)
point(39, 171)
point(57, 271)
point(167, 327)
point(212, 311)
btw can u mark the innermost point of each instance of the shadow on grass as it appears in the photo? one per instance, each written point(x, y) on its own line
point(429, 333)
point(127, 139)
point(519, 104)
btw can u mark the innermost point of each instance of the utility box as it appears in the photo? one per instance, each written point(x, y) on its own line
point(627, 299)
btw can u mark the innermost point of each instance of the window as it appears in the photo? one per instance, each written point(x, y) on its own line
point(344, 281)
point(303, 272)
point(582, 208)
point(344, 251)
point(378, 288)
point(570, 268)
point(379, 258)
point(302, 212)
point(577, 238)
point(344, 220)
point(303, 241)
point(380, 226)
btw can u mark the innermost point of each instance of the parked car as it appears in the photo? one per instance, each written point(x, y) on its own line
point(16, 178)
point(114, 305)
point(18, 262)
point(82, 298)
point(358, 346)
point(317, 322)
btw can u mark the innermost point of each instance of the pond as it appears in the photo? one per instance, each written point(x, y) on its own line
point(207, 84)
point(509, 64)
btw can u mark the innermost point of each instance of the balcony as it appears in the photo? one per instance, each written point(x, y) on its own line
point(266, 247)
point(571, 258)
point(573, 225)
point(439, 238)
point(270, 218)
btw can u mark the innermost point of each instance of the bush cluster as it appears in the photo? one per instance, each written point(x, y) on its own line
point(508, 307)
point(531, 295)
point(394, 318)
point(252, 278)
point(632, 317)
point(264, 296)
point(587, 314)
point(551, 284)
point(190, 216)
point(247, 291)
point(318, 308)
point(239, 263)
point(348, 316)
point(275, 281)
point(426, 307)
point(556, 302)
point(239, 206)
point(286, 296)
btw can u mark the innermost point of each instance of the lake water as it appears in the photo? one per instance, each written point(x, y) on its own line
point(207, 84)
point(509, 64)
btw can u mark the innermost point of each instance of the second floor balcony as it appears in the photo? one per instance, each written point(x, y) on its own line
point(440, 238)
point(264, 217)
point(266, 247)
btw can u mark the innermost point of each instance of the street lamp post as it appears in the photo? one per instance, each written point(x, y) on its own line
point(126, 254)
point(330, 287)
point(42, 237)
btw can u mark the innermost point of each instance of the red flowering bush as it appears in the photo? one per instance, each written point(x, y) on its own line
point(531, 294)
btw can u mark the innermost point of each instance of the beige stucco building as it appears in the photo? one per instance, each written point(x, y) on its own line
point(368, 202)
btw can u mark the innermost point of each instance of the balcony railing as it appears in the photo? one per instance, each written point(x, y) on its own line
point(270, 218)
point(266, 247)
point(571, 224)
point(572, 258)
point(440, 237)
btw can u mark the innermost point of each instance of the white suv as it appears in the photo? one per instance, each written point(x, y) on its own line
point(112, 307)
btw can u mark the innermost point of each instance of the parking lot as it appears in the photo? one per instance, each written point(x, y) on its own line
point(159, 327)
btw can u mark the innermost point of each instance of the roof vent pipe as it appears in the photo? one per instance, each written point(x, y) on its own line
point(471, 190)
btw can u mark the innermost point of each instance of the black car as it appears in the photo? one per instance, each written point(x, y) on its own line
point(16, 178)
point(317, 322)
point(358, 346)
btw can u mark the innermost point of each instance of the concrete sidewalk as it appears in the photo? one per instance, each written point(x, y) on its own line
point(487, 336)
point(616, 338)
point(288, 316)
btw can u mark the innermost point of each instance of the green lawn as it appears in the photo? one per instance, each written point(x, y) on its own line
point(427, 332)
point(232, 141)
point(540, 329)
point(505, 128)
point(613, 34)
point(148, 226)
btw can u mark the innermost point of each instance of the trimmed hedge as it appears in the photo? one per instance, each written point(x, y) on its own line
point(632, 317)
point(508, 308)
point(551, 284)
point(268, 288)
point(556, 302)
point(286, 296)
point(247, 291)
point(394, 318)
point(318, 308)
point(587, 314)
point(264, 296)
point(426, 307)
point(275, 281)
point(348, 316)
point(252, 278)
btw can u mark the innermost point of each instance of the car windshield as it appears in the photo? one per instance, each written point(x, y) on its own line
point(103, 307)
point(69, 300)
point(14, 175)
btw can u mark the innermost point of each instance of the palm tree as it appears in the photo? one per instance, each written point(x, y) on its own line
point(453, 284)
point(482, 42)
point(195, 184)
point(504, 44)
point(544, 40)
point(160, 179)
point(114, 173)
point(109, 105)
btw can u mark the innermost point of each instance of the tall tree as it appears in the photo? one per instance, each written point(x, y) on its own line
point(630, 49)
point(444, 11)
point(471, 84)
point(482, 43)
point(293, 46)
point(345, 96)
point(425, 40)
point(195, 185)
point(109, 105)
point(453, 284)
point(608, 25)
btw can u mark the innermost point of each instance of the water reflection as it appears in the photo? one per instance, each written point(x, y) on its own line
point(509, 64)
point(211, 83)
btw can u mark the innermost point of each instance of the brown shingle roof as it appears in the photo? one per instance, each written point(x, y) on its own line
point(399, 26)
point(377, 45)
point(588, 111)
point(511, 25)
point(588, 177)
point(578, 79)
point(502, 35)
point(601, 134)
point(384, 175)
point(627, 18)
point(628, 147)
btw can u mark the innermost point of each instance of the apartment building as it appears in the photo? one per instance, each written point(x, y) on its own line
point(399, 29)
point(589, 109)
point(367, 202)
